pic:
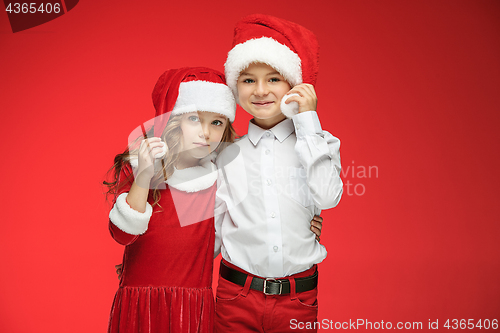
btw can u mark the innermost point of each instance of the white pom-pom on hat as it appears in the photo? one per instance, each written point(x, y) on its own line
point(164, 150)
point(290, 109)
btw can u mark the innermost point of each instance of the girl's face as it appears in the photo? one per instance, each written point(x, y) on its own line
point(201, 134)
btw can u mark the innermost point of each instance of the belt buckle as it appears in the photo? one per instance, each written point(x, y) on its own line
point(272, 280)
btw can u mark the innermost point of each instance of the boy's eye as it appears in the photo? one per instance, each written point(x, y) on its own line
point(194, 118)
point(274, 79)
point(248, 81)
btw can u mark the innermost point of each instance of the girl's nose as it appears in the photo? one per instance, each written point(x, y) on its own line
point(205, 131)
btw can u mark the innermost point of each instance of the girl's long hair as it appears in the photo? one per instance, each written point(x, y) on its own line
point(172, 135)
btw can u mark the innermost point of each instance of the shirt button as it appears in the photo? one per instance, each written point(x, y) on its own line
point(267, 151)
point(268, 134)
point(298, 126)
point(275, 248)
point(273, 215)
point(269, 182)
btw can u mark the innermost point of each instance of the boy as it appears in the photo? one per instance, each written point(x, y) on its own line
point(272, 182)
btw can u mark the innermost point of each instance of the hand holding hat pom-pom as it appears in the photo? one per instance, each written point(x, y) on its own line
point(163, 147)
point(290, 109)
point(164, 150)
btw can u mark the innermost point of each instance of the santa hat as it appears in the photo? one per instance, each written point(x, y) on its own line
point(286, 46)
point(191, 89)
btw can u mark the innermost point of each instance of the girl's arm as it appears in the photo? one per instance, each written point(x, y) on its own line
point(131, 211)
point(138, 195)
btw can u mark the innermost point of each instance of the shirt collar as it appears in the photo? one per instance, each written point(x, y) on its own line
point(281, 131)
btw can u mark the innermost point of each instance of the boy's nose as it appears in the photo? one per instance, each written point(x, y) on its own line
point(261, 89)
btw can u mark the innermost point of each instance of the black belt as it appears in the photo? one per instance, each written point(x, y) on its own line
point(269, 286)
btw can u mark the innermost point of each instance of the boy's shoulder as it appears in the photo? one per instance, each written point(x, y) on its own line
point(230, 152)
point(241, 144)
point(242, 140)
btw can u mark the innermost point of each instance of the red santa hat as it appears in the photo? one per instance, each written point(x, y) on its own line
point(191, 89)
point(286, 46)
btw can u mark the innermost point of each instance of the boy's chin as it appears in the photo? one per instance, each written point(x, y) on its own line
point(268, 121)
point(268, 117)
point(266, 114)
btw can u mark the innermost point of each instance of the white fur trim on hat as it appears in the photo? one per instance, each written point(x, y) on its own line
point(290, 109)
point(205, 96)
point(265, 50)
point(128, 219)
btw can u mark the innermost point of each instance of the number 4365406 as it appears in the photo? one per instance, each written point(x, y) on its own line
point(471, 324)
point(32, 8)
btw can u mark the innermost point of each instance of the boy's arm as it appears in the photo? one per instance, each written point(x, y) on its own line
point(219, 210)
point(318, 150)
point(319, 153)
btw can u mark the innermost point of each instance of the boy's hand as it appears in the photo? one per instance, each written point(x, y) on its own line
point(307, 100)
point(119, 270)
point(316, 225)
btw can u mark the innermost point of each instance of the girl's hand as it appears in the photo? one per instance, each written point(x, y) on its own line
point(148, 149)
point(316, 225)
point(307, 99)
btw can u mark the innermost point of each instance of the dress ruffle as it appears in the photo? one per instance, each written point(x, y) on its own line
point(162, 309)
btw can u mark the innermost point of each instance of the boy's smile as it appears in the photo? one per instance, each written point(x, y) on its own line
point(260, 90)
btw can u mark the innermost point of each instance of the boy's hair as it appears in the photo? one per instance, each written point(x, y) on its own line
point(285, 46)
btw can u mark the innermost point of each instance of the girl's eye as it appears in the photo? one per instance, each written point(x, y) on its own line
point(248, 81)
point(217, 123)
point(274, 79)
point(194, 118)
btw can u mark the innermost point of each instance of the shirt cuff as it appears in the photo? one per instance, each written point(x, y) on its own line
point(128, 219)
point(307, 123)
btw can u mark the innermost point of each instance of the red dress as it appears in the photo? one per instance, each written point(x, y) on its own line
point(166, 284)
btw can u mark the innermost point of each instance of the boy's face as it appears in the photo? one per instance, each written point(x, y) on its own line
point(260, 90)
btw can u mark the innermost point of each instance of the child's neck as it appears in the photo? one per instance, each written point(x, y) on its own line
point(269, 122)
point(184, 163)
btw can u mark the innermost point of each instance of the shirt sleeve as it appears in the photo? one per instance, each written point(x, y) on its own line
point(319, 153)
point(125, 223)
point(220, 209)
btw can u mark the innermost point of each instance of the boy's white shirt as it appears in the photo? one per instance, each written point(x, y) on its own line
point(270, 185)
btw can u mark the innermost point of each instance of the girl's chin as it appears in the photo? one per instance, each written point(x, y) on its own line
point(200, 152)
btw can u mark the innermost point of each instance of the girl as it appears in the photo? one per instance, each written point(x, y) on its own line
point(163, 208)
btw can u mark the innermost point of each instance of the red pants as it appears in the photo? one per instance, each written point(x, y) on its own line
point(241, 309)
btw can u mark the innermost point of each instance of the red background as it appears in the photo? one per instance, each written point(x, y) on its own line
point(410, 87)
